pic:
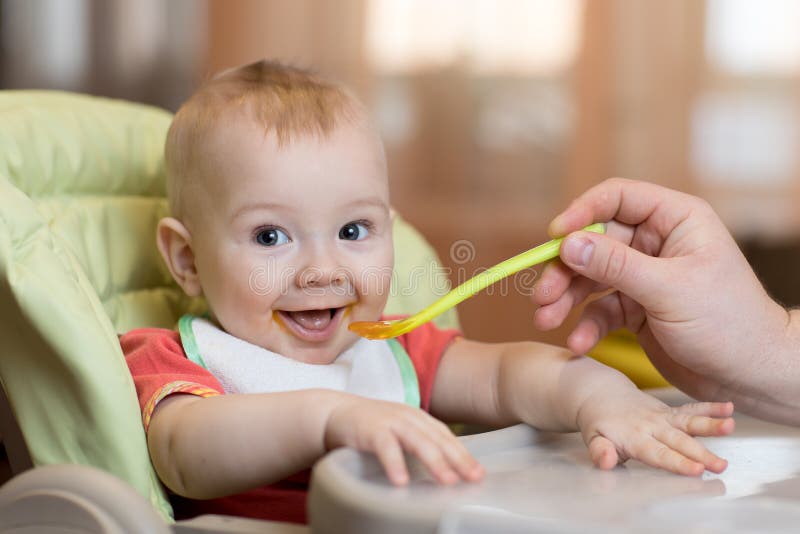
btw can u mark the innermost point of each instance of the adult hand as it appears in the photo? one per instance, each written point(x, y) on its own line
point(682, 285)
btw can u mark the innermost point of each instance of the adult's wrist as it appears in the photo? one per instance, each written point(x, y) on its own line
point(770, 386)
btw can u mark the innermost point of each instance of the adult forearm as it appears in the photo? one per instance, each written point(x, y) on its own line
point(223, 445)
point(768, 385)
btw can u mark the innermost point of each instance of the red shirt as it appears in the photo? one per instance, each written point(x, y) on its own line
point(160, 368)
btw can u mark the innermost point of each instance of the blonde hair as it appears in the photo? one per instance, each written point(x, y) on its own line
point(283, 99)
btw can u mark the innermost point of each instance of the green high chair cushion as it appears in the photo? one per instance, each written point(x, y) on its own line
point(81, 189)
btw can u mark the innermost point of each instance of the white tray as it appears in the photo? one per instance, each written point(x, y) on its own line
point(545, 482)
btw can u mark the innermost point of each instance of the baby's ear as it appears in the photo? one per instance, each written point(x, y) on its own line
point(175, 244)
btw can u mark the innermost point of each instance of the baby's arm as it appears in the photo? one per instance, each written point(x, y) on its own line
point(210, 447)
point(551, 389)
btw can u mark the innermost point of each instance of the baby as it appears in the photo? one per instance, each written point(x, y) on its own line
point(280, 218)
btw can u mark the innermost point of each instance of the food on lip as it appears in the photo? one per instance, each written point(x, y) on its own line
point(313, 325)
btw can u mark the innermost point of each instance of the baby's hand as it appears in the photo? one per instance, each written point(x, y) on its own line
point(636, 425)
point(387, 429)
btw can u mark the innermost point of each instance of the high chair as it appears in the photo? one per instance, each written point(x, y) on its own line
point(81, 190)
point(82, 187)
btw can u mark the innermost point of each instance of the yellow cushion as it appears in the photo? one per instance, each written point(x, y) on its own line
point(620, 350)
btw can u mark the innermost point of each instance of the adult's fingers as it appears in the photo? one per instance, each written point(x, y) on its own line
point(615, 264)
point(556, 277)
point(553, 315)
point(553, 281)
point(602, 316)
point(627, 201)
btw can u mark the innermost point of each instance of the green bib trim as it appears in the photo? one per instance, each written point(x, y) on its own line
point(188, 341)
point(407, 373)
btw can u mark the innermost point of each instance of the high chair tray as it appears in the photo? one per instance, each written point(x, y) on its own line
point(545, 482)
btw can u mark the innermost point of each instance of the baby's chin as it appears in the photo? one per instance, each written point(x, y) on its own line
point(323, 354)
point(320, 356)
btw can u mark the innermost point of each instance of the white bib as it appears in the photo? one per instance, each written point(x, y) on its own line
point(378, 369)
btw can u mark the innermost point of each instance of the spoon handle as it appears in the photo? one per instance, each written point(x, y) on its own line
point(529, 258)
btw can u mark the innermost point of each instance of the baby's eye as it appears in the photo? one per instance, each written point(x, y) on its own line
point(354, 231)
point(271, 237)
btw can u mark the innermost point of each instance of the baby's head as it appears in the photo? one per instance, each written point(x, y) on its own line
point(279, 199)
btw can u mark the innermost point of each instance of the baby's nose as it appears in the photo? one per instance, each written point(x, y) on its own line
point(319, 276)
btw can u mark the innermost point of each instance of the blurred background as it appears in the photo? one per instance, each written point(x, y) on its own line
point(495, 113)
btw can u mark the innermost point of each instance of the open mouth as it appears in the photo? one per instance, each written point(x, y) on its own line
point(312, 325)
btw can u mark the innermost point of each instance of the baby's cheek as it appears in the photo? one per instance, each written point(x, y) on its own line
point(374, 283)
point(262, 280)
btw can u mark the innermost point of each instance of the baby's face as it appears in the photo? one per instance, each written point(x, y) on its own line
point(294, 243)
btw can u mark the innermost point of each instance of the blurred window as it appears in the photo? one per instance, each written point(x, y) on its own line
point(744, 124)
point(45, 43)
point(148, 50)
point(745, 139)
point(526, 37)
point(750, 38)
point(481, 82)
point(513, 62)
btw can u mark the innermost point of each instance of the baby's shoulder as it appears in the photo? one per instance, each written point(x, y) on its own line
point(426, 338)
point(151, 341)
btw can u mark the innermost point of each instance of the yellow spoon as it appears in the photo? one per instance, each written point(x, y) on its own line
point(529, 258)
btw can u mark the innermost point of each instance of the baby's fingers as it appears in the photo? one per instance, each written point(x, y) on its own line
point(390, 455)
point(656, 454)
point(691, 448)
point(454, 451)
point(462, 460)
point(709, 409)
point(603, 453)
point(431, 455)
point(704, 418)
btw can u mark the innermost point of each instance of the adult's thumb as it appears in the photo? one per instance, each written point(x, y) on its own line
point(610, 262)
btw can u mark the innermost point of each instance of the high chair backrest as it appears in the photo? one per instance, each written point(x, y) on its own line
point(82, 187)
